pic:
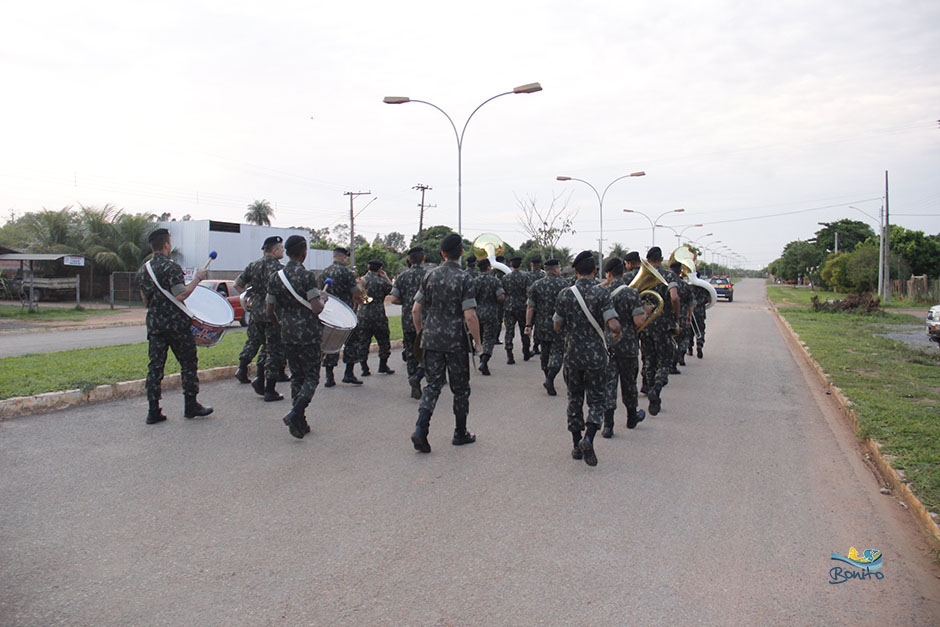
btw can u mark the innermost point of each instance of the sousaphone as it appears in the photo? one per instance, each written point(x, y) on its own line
point(488, 246)
point(685, 256)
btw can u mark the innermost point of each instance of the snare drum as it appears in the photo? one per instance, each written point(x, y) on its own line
point(211, 314)
point(338, 321)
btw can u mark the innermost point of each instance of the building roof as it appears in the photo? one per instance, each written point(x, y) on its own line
point(32, 256)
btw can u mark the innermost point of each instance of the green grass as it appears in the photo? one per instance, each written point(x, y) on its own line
point(53, 314)
point(788, 295)
point(85, 369)
point(894, 388)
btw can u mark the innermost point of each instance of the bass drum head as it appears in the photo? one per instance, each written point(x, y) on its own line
point(338, 314)
point(210, 307)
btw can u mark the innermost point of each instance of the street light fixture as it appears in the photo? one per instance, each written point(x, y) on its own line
point(678, 232)
point(528, 88)
point(600, 202)
point(653, 222)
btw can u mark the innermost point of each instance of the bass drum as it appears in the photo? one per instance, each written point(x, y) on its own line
point(211, 314)
point(338, 320)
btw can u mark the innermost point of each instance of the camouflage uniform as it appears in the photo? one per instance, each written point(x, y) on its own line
point(624, 363)
point(261, 333)
point(406, 286)
point(446, 292)
point(372, 318)
point(168, 327)
point(657, 341)
point(542, 296)
point(515, 284)
point(343, 288)
point(585, 351)
point(685, 336)
point(486, 289)
point(301, 330)
point(701, 299)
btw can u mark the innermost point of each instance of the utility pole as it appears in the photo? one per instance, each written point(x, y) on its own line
point(837, 243)
point(887, 227)
point(352, 230)
point(422, 188)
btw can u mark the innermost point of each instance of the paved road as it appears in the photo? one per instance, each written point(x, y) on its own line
point(723, 509)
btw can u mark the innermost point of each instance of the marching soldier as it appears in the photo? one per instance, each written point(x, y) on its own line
point(684, 338)
point(446, 296)
point(535, 273)
point(657, 338)
point(488, 292)
point(298, 302)
point(346, 288)
point(624, 354)
point(261, 333)
point(516, 284)
point(499, 274)
point(702, 298)
point(168, 326)
point(632, 263)
point(581, 310)
point(538, 316)
point(372, 319)
point(406, 286)
point(472, 268)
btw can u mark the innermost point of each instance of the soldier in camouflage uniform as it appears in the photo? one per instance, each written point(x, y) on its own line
point(472, 269)
point(624, 354)
point(657, 340)
point(372, 319)
point(404, 289)
point(261, 333)
point(447, 296)
point(684, 339)
point(535, 273)
point(516, 285)
point(585, 352)
point(301, 330)
point(539, 311)
point(702, 298)
point(168, 327)
point(488, 293)
point(499, 274)
point(632, 266)
point(346, 288)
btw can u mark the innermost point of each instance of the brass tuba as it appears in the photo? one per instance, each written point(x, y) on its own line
point(643, 282)
point(687, 258)
point(488, 246)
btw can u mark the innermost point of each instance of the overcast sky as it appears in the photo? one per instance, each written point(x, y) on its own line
point(759, 119)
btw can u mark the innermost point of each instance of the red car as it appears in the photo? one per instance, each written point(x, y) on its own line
point(227, 289)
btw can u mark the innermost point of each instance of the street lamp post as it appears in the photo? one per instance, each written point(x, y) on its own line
point(881, 247)
point(653, 223)
point(528, 88)
point(600, 203)
point(678, 232)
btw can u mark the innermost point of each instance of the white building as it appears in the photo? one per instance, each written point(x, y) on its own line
point(237, 245)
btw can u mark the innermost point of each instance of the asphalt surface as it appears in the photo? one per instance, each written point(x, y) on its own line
point(724, 509)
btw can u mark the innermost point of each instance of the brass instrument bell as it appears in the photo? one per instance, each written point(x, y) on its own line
point(644, 282)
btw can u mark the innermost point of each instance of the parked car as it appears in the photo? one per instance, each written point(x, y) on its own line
point(723, 287)
point(227, 289)
point(933, 323)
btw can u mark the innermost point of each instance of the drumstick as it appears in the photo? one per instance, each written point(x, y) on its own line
point(212, 256)
point(327, 283)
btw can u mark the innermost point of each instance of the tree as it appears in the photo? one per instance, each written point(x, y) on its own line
point(395, 241)
point(546, 225)
point(430, 238)
point(366, 252)
point(52, 231)
point(800, 260)
point(260, 213)
point(851, 234)
point(921, 252)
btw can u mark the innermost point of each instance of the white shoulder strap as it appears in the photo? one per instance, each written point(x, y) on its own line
point(587, 313)
point(290, 288)
point(618, 290)
point(166, 292)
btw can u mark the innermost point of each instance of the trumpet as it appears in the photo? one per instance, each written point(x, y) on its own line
point(647, 278)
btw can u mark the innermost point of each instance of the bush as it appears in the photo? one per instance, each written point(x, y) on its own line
point(862, 304)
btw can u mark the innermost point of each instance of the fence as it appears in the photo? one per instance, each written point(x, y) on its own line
point(917, 289)
point(124, 288)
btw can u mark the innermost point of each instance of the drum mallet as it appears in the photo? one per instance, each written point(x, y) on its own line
point(212, 256)
point(327, 284)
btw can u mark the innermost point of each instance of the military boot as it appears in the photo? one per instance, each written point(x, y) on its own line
point(350, 376)
point(461, 435)
point(242, 373)
point(608, 431)
point(484, 369)
point(549, 385)
point(576, 451)
point(282, 376)
point(699, 353)
point(365, 368)
point(587, 445)
point(155, 414)
point(293, 422)
point(682, 359)
point(192, 408)
point(270, 394)
point(383, 366)
point(634, 417)
point(509, 358)
point(420, 436)
point(258, 383)
point(330, 381)
point(656, 402)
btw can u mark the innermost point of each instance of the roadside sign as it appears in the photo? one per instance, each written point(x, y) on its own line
point(73, 260)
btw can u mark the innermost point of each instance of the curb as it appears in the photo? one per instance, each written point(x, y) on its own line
point(52, 401)
point(893, 478)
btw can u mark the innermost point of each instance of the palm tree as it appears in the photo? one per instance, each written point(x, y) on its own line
point(260, 213)
point(52, 231)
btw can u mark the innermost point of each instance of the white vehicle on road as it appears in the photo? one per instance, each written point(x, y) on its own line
point(933, 323)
